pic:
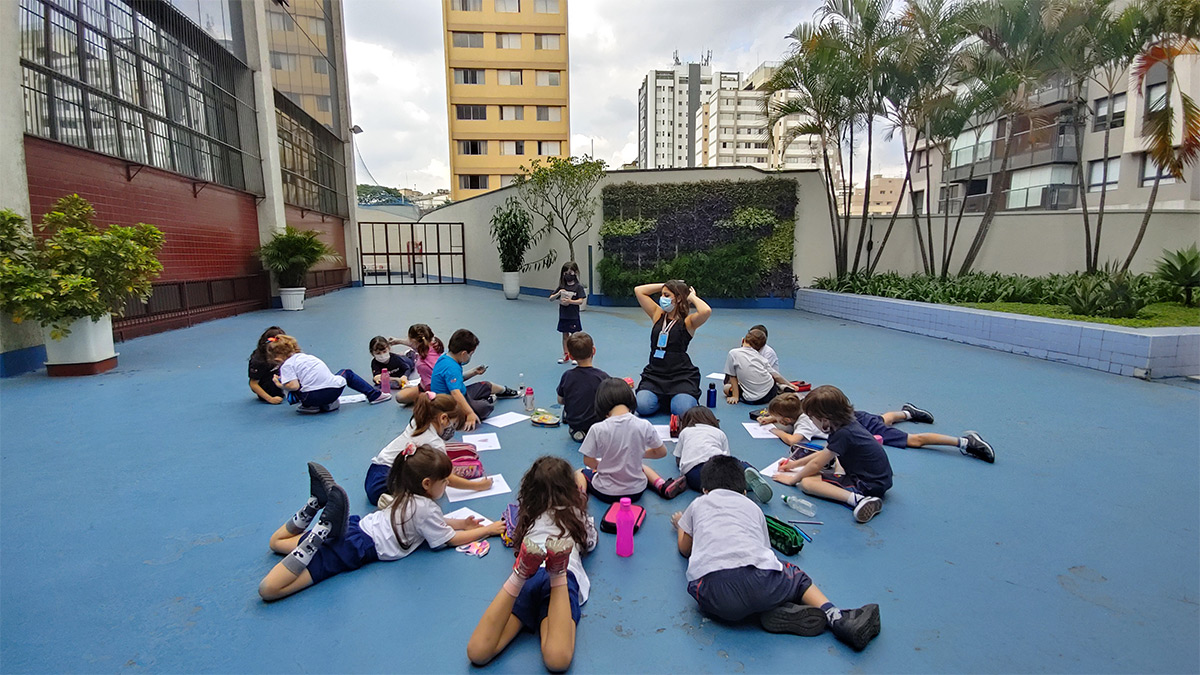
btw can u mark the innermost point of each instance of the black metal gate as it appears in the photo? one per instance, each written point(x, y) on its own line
point(411, 254)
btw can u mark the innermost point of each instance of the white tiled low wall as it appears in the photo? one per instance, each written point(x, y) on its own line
point(1160, 352)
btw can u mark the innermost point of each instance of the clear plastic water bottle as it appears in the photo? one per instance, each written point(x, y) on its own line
point(802, 505)
point(625, 520)
point(529, 405)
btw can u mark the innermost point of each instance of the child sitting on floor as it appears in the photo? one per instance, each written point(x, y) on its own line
point(262, 370)
point(316, 387)
point(767, 352)
point(732, 572)
point(701, 439)
point(748, 378)
point(383, 358)
point(577, 388)
point(613, 450)
point(448, 377)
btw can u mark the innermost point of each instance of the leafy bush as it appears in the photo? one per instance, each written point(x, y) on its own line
point(292, 253)
point(512, 231)
point(749, 218)
point(726, 272)
point(1180, 269)
point(625, 227)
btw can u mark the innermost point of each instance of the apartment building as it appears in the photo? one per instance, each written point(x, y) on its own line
point(885, 192)
point(507, 86)
point(668, 104)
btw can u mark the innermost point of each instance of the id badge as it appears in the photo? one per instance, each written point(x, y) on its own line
point(662, 341)
point(659, 353)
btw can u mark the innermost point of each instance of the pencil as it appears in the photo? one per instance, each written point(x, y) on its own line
point(806, 522)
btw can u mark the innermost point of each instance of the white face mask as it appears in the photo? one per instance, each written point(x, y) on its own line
point(383, 358)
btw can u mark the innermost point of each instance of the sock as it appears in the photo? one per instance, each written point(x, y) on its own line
point(298, 559)
point(558, 580)
point(303, 517)
point(907, 414)
point(962, 444)
point(831, 612)
point(658, 484)
point(514, 584)
point(854, 499)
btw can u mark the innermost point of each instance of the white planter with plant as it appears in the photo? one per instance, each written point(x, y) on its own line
point(289, 256)
point(74, 280)
point(512, 230)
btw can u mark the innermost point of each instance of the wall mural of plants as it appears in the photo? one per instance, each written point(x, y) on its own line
point(729, 239)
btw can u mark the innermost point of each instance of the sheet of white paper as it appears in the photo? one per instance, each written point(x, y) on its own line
point(772, 469)
point(506, 419)
point(352, 398)
point(483, 441)
point(499, 487)
point(466, 512)
point(719, 377)
point(757, 430)
point(664, 433)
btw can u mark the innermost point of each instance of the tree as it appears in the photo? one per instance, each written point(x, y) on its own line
point(559, 191)
point(370, 195)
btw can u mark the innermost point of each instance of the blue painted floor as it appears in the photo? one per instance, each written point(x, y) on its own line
point(136, 508)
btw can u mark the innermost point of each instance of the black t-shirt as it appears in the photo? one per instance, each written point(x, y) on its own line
point(862, 457)
point(262, 371)
point(571, 311)
point(396, 366)
point(578, 391)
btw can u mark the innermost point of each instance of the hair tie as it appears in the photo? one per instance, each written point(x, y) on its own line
point(271, 339)
point(408, 451)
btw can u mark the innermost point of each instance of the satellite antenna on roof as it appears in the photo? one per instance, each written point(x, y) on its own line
point(706, 58)
point(675, 55)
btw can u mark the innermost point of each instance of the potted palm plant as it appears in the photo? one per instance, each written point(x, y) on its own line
point(289, 256)
point(512, 230)
point(72, 278)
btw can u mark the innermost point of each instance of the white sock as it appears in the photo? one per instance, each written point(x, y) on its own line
point(907, 414)
point(962, 444)
point(854, 499)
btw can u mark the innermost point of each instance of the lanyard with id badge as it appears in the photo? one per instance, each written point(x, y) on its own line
point(661, 351)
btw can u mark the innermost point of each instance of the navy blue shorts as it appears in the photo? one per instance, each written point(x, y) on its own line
point(875, 426)
point(734, 594)
point(376, 482)
point(608, 499)
point(349, 553)
point(533, 604)
point(569, 326)
point(845, 481)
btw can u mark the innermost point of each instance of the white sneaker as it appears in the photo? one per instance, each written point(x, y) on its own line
point(385, 500)
point(867, 508)
point(384, 397)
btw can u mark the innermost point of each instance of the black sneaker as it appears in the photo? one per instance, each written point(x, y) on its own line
point(508, 392)
point(857, 627)
point(674, 487)
point(802, 620)
point(336, 513)
point(917, 414)
point(309, 410)
point(577, 435)
point(979, 448)
point(318, 479)
point(332, 406)
point(867, 508)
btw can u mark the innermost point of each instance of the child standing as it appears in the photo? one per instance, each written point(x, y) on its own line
point(614, 448)
point(382, 358)
point(701, 439)
point(548, 584)
point(733, 573)
point(748, 378)
point(474, 402)
point(262, 371)
point(432, 424)
point(316, 387)
point(577, 388)
point(341, 543)
point(570, 295)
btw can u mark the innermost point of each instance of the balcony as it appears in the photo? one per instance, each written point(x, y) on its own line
point(1035, 147)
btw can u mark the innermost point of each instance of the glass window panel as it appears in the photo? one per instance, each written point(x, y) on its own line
point(548, 78)
point(508, 6)
point(148, 39)
point(468, 5)
point(126, 75)
point(64, 45)
point(68, 111)
point(1156, 97)
point(37, 103)
point(545, 6)
point(104, 125)
point(471, 40)
point(120, 22)
point(320, 65)
point(33, 31)
point(508, 40)
point(99, 71)
point(509, 77)
point(545, 42)
point(133, 134)
point(160, 149)
point(181, 145)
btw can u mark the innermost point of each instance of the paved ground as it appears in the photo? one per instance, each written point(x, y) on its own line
point(137, 506)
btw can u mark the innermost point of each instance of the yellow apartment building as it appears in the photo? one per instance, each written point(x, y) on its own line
point(507, 88)
point(301, 37)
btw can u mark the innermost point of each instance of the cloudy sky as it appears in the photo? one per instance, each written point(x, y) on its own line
point(398, 91)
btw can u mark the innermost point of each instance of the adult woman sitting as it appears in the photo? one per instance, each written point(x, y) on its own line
point(670, 374)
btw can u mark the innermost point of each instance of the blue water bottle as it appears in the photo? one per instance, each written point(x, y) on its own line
point(712, 395)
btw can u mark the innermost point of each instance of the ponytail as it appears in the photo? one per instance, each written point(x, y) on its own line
point(421, 336)
point(412, 466)
point(426, 410)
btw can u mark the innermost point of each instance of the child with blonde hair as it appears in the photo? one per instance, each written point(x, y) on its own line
point(316, 387)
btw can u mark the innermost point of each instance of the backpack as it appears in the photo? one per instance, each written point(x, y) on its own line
point(465, 460)
point(509, 535)
point(609, 522)
point(784, 538)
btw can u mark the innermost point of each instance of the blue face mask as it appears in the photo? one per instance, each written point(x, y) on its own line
point(666, 303)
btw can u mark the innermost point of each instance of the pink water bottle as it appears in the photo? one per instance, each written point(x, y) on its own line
point(625, 520)
point(385, 382)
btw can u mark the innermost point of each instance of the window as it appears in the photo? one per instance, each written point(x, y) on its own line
point(281, 61)
point(320, 65)
point(471, 112)
point(472, 182)
point(512, 112)
point(468, 76)
point(1149, 168)
point(1096, 174)
point(506, 179)
point(508, 40)
point(545, 42)
point(547, 78)
point(281, 21)
point(468, 5)
point(509, 77)
point(549, 113)
point(316, 27)
point(508, 6)
point(545, 6)
point(324, 103)
point(1156, 97)
point(470, 40)
point(1117, 103)
point(472, 147)
point(1028, 186)
point(512, 147)
point(546, 148)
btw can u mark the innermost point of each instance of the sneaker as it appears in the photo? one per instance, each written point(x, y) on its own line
point(337, 512)
point(318, 478)
point(309, 410)
point(977, 447)
point(917, 414)
point(674, 487)
point(508, 392)
point(384, 397)
point(385, 500)
point(558, 554)
point(867, 508)
point(758, 485)
point(332, 406)
point(529, 558)
point(857, 627)
point(564, 359)
point(803, 620)
point(578, 436)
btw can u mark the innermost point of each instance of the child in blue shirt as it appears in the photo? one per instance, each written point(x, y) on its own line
point(475, 402)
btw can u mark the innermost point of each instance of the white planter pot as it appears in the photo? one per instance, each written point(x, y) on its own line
point(87, 350)
point(512, 285)
point(292, 298)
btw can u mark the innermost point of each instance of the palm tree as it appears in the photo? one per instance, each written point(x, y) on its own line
point(1173, 27)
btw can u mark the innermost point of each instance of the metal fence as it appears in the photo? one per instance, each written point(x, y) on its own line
point(395, 254)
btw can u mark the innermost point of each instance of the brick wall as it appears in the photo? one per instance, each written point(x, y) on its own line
point(332, 231)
